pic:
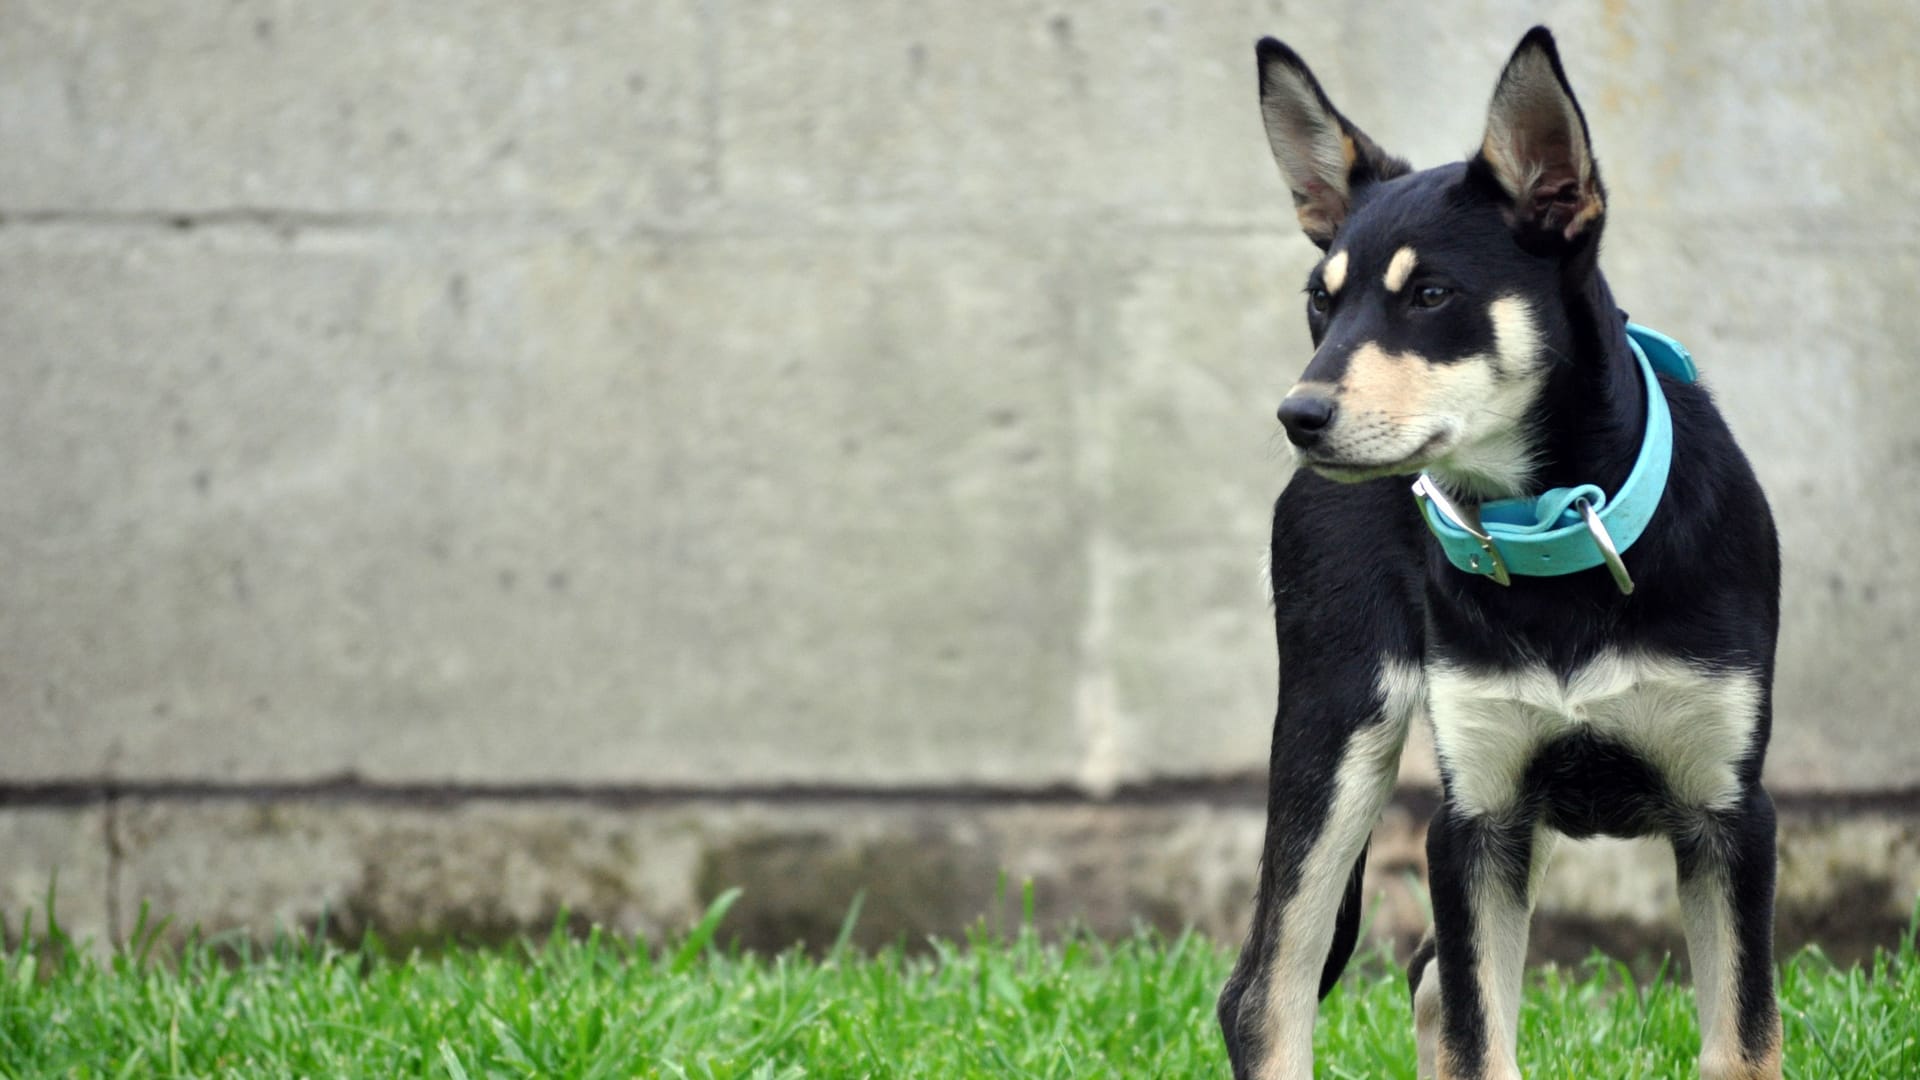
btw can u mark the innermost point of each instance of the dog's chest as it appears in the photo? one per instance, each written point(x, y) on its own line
point(1688, 726)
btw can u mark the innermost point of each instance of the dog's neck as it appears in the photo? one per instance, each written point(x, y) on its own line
point(1591, 418)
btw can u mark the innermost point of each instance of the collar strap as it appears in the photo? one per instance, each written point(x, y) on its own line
point(1567, 530)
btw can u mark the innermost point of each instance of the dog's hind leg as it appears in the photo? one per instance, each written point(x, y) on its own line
point(1726, 865)
point(1423, 984)
point(1346, 925)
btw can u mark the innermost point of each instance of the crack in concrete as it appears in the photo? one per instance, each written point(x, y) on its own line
point(276, 218)
point(713, 56)
point(1240, 789)
point(116, 858)
point(1098, 721)
point(712, 217)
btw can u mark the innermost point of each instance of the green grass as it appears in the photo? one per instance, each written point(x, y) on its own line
point(992, 1006)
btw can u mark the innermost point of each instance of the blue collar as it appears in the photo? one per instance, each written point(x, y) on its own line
point(1567, 530)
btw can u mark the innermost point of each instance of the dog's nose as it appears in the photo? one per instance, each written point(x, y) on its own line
point(1305, 416)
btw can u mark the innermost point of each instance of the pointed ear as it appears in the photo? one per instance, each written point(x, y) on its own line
point(1324, 158)
point(1537, 147)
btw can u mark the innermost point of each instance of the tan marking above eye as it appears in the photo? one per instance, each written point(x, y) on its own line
point(1334, 274)
point(1400, 269)
point(1516, 337)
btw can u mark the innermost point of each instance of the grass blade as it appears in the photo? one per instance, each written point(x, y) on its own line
point(702, 933)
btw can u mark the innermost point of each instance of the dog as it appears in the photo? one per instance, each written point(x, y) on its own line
point(1581, 593)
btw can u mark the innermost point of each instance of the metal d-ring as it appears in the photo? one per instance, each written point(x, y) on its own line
point(1604, 541)
point(1425, 488)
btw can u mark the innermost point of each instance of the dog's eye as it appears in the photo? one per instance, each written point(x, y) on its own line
point(1431, 296)
point(1319, 299)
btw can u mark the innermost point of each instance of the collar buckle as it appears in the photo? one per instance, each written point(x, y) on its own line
point(1496, 567)
point(1603, 540)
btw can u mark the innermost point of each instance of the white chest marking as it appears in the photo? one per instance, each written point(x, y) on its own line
point(1692, 726)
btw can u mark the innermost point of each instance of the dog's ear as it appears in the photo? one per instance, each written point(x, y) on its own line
point(1324, 159)
point(1537, 148)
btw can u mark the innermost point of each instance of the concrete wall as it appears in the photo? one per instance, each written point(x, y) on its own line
point(493, 439)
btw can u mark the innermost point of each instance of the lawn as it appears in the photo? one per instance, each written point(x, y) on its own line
point(996, 1004)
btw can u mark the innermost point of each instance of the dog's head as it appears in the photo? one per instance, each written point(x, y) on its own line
point(1437, 310)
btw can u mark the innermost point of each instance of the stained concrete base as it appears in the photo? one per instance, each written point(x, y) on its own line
point(59, 857)
point(485, 869)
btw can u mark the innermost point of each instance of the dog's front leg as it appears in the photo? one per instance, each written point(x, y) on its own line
point(1483, 873)
point(1726, 864)
point(1336, 752)
point(1423, 977)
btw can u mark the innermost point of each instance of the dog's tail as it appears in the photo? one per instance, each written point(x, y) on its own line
point(1346, 927)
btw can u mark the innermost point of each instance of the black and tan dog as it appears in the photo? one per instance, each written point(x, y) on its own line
point(1464, 333)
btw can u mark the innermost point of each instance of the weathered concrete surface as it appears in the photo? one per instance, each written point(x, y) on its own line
point(698, 395)
point(485, 869)
point(661, 394)
point(357, 108)
point(577, 533)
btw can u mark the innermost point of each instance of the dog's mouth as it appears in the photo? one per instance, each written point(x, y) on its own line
point(1349, 471)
